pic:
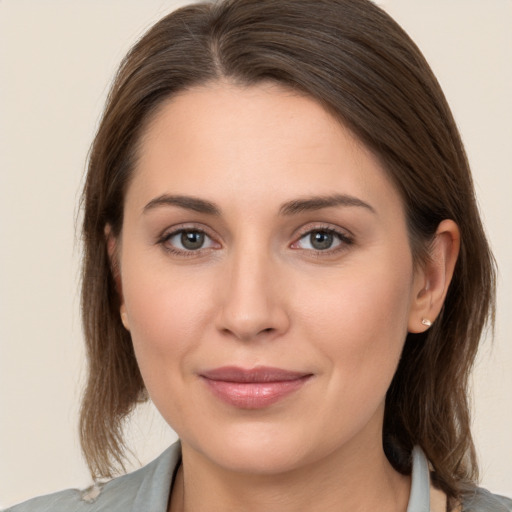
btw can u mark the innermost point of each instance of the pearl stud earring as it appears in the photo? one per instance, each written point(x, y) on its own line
point(426, 321)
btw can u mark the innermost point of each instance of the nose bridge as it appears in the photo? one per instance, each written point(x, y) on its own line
point(251, 302)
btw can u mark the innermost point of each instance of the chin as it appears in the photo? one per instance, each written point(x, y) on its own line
point(270, 459)
point(262, 449)
point(255, 448)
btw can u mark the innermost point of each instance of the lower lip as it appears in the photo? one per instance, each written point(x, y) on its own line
point(254, 395)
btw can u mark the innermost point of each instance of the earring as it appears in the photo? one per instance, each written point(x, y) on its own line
point(426, 321)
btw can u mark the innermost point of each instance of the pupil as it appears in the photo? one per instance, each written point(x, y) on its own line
point(192, 239)
point(321, 240)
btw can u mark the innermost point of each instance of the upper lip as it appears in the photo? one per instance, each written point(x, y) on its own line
point(258, 374)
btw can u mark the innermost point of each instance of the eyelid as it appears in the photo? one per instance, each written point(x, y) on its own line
point(172, 231)
point(324, 226)
point(345, 236)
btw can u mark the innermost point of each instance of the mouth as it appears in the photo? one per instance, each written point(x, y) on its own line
point(254, 388)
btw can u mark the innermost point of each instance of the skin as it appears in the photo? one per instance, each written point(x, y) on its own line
point(258, 293)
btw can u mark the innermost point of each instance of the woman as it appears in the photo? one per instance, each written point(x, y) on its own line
point(282, 248)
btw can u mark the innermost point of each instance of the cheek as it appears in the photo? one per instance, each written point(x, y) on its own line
point(359, 321)
point(167, 314)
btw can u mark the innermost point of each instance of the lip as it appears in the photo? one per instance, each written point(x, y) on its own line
point(253, 388)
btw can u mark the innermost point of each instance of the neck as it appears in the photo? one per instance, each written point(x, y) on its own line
point(354, 480)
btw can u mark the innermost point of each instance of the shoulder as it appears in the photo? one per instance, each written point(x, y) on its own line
point(481, 500)
point(148, 487)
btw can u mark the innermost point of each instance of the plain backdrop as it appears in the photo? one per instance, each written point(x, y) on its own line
point(57, 59)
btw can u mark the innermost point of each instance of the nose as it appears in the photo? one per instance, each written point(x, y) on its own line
point(252, 299)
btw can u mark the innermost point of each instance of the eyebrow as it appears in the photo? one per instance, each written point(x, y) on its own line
point(187, 202)
point(289, 208)
point(319, 202)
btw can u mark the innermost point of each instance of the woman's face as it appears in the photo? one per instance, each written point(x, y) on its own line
point(267, 279)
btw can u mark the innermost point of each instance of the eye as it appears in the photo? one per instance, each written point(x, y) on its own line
point(322, 240)
point(187, 240)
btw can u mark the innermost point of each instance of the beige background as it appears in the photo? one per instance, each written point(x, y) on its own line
point(56, 61)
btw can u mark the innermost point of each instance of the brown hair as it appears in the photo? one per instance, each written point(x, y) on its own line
point(355, 60)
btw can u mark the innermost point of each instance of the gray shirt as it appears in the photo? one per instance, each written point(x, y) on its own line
point(148, 490)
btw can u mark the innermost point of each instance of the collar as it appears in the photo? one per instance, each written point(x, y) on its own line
point(424, 497)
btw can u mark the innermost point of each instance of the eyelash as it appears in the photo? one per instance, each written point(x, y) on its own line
point(344, 241)
point(167, 236)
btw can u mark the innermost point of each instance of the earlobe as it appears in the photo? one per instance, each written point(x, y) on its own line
point(433, 278)
point(112, 250)
point(124, 317)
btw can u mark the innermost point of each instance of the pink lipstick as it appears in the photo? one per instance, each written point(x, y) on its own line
point(255, 388)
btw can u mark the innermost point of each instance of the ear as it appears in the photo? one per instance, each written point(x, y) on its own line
point(113, 255)
point(431, 281)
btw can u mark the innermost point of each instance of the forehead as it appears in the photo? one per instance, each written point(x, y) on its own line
point(261, 142)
